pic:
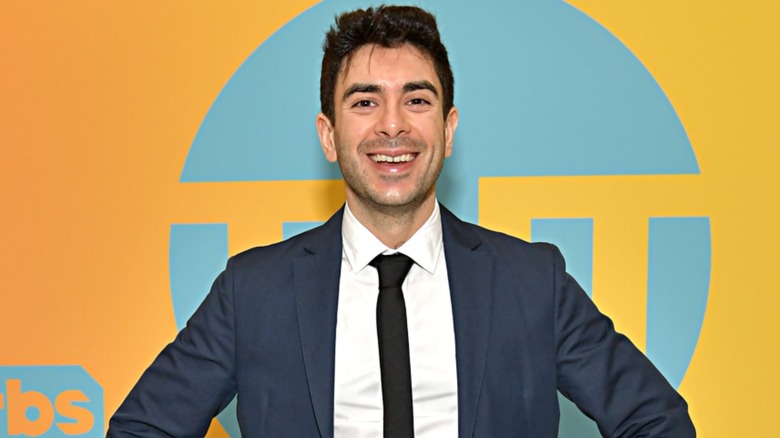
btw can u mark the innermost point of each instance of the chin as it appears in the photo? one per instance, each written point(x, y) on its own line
point(402, 202)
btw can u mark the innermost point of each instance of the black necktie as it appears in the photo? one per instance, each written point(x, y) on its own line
point(394, 346)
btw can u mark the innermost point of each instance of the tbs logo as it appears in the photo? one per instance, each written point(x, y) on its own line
point(51, 401)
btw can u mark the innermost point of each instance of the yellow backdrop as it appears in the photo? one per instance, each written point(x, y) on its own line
point(99, 104)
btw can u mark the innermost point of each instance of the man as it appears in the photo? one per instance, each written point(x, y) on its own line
point(495, 325)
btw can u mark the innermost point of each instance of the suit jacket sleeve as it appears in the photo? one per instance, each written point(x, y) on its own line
point(608, 378)
point(191, 380)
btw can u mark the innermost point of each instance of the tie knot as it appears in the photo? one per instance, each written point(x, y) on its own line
point(392, 269)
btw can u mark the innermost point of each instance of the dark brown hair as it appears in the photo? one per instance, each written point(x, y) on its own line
point(386, 26)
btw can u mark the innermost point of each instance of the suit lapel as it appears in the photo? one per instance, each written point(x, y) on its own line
point(316, 276)
point(470, 272)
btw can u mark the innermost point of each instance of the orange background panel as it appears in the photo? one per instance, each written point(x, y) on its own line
point(100, 102)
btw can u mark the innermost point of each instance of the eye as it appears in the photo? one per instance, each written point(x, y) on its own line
point(363, 104)
point(418, 101)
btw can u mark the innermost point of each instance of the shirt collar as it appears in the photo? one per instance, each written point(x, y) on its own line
point(360, 246)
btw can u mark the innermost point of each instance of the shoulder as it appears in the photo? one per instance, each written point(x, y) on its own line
point(503, 246)
point(323, 239)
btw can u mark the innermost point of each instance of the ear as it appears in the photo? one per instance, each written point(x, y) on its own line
point(450, 125)
point(325, 131)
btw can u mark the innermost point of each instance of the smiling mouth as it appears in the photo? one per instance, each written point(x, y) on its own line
point(403, 158)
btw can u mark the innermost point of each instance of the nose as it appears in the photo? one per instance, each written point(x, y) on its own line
point(392, 122)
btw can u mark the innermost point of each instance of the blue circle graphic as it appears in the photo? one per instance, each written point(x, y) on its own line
point(542, 90)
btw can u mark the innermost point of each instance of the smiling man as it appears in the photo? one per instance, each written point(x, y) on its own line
point(390, 131)
point(395, 318)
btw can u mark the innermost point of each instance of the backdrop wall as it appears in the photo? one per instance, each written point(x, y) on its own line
point(639, 136)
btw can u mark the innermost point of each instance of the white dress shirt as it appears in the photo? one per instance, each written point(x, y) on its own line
point(358, 391)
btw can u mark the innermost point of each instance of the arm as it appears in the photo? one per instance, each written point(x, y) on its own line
point(191, 380)
point(608, 378)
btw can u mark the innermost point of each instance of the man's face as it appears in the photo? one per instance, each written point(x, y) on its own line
point(390, 137)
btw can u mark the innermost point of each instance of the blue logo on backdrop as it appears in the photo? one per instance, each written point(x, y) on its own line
point(542, 89)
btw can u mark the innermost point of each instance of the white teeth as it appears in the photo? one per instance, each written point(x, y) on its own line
point(379, 158)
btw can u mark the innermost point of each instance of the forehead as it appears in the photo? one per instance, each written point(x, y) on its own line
point(375, 63)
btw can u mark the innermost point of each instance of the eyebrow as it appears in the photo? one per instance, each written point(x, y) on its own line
point(421, 85)
point(360, 88)
point(373, 88)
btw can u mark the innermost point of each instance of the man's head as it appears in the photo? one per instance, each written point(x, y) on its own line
point(385, 26)
point(388, 118)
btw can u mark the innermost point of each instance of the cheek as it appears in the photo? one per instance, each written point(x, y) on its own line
point(431, 127)
point(343, 146)
point(348, 136)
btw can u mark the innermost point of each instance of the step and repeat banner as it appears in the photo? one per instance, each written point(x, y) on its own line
point(145, 142)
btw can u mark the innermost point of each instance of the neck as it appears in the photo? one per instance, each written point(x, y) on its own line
point(393, 226)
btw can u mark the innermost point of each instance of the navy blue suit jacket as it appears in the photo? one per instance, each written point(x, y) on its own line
point(523, 329)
